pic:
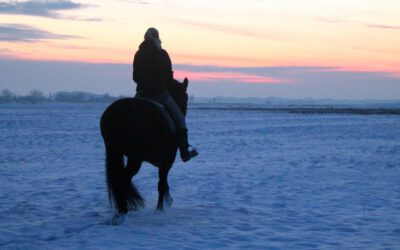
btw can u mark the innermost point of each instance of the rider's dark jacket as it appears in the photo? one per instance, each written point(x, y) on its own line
point(152, 70)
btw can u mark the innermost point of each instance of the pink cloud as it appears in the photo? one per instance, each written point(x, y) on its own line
point(228, 76)
point(382, 26)
point(395, 75)
point(334, 20)
point(392, 71)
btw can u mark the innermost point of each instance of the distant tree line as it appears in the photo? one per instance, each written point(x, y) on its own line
point(37, 96)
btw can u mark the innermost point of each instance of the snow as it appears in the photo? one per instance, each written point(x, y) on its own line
point(263, 180)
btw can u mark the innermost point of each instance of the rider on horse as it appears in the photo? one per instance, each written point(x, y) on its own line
point(152, 71)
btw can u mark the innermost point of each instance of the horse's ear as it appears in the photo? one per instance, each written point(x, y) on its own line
point(185, 82)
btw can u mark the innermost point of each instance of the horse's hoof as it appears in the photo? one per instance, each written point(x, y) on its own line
point(168, 200)
point(160, 208)
point(118, 219)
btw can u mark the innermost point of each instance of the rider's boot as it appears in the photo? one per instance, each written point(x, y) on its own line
point(187, 151)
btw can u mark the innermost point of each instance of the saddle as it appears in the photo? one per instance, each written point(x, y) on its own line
point(163, 111)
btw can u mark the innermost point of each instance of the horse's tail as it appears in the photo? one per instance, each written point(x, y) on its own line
point(121, 192)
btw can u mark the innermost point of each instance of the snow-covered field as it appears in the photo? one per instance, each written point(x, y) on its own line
point(262, 181)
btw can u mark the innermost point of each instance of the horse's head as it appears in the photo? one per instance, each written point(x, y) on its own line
point(178, 92)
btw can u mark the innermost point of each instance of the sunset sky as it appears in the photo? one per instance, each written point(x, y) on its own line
point(344, 49)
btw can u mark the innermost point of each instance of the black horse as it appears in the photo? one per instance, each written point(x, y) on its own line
point(139, 130)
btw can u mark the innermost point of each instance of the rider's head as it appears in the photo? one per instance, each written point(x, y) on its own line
point(152, 35)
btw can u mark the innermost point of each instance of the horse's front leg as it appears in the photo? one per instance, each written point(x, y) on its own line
point(163, 189)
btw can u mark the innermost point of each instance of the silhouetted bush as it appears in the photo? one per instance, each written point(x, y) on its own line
point(37, 96)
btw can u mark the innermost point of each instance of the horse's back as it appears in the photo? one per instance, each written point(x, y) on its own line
point(135, 123)
point(132, 113)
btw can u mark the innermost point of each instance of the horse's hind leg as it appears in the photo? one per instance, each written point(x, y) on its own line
point(132, 167)
point(134, 199)
point(163, 189)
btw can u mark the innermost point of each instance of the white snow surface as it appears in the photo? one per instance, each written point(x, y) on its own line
point(262, 181)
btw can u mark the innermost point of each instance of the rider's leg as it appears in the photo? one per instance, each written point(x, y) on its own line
point(182, 133)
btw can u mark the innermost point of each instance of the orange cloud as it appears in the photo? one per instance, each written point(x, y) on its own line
point(231, 29)
point(229, 76)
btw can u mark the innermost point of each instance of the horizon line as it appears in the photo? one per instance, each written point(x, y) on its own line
point(49, 94)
